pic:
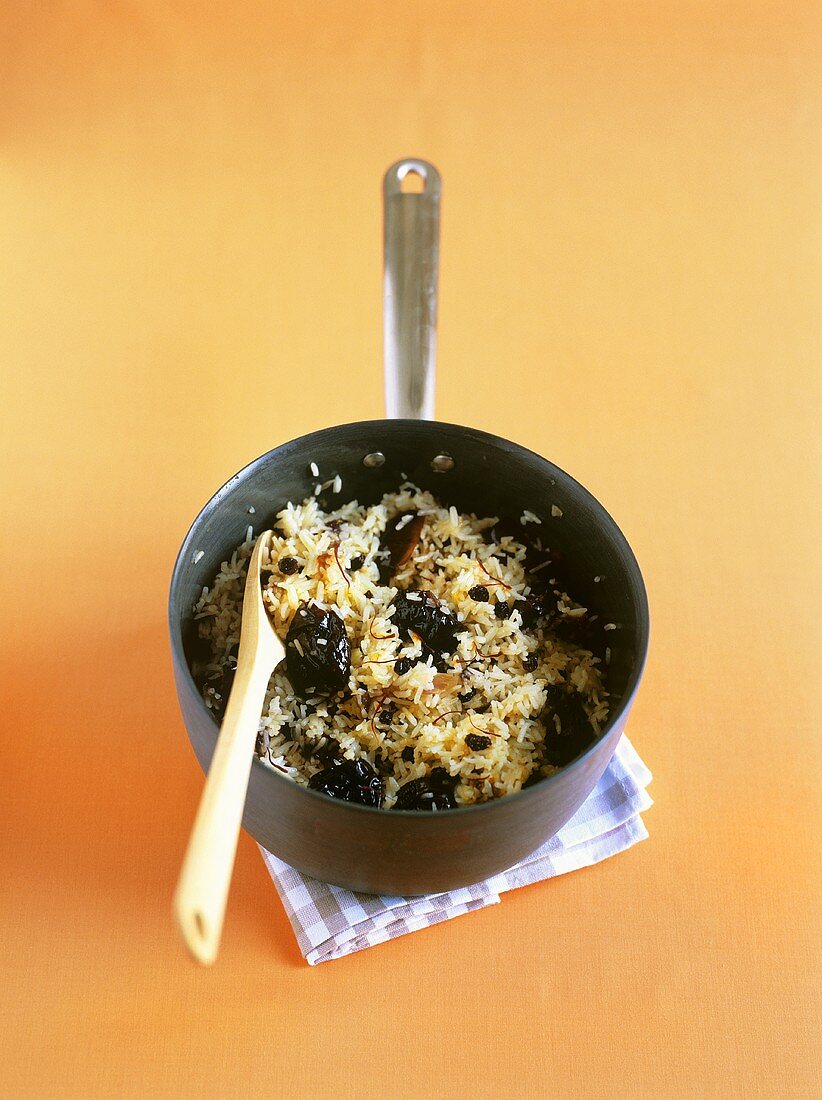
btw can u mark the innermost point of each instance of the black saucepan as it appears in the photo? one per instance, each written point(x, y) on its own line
point(392, 852)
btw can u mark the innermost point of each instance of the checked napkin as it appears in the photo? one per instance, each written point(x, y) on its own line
point(330, 922)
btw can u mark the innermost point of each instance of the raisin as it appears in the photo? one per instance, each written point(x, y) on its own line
point(434, 792)
point(385, 715)
point(408, 754)
point(318, 653)
point(265, 576)
point(403, 665)
point(288, 566)
point(466, 696)
point(422, 614)
point(356, 563)
point(479, 593)
point(350, 781)
point(530, 662)
point(503, 610)
point(477, 742)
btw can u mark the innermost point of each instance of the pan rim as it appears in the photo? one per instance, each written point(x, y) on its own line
point(638, 594)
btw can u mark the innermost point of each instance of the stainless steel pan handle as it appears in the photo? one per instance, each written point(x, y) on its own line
point(411, 272)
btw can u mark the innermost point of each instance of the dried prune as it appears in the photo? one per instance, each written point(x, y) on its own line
point(318, 653)
point(479, 593)
point(350, 781)
point(422, 614)
point(288, 566)
point(477, 742)
point(574, 734)
point(433, 792)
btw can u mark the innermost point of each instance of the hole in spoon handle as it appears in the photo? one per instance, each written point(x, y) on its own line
point(197, 932)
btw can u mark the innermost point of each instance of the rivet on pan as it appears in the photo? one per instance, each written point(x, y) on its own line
point(442, 464)
point(376, 458)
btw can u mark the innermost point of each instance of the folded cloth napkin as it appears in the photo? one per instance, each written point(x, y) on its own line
point(330, 922)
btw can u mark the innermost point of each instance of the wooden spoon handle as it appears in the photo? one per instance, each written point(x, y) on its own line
point(200, 900)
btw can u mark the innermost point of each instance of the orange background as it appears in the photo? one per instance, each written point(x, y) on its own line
point(191, 225)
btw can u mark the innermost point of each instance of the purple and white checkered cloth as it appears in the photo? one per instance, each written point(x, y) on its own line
point(331, 922)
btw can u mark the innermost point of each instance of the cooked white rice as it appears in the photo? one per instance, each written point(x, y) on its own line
point(430, 720)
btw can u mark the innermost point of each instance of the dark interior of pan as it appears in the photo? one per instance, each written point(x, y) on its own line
point(474, 471)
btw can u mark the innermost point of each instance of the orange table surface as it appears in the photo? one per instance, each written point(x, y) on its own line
point(630, 284)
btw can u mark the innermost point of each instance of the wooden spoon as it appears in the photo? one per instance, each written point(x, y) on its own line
point(202, 891)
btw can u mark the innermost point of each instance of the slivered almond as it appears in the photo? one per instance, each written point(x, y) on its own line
point(402, 538)
point(447, 681)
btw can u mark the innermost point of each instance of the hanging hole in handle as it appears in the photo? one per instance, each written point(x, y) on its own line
point(412, 183)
